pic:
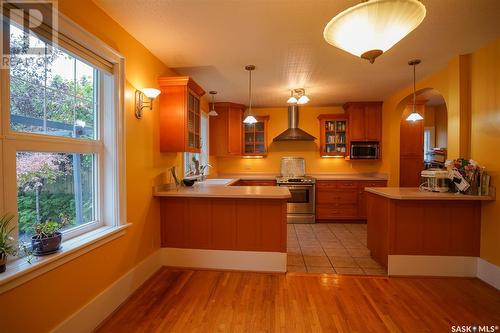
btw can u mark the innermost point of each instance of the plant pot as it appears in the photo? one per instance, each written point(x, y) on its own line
point(47, 245)
point(3, 261)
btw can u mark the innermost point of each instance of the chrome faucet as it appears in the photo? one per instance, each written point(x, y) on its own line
point(204, 168)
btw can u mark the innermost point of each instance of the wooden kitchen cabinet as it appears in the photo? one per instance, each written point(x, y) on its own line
point(255, 137)
point(342, 199)
point(255, 182)
point(365, 121)
point(333, 135)
point(362, 194)
point(180, 114)
point(226, 129)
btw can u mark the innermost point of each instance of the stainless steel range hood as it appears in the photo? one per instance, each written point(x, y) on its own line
point(294, 133)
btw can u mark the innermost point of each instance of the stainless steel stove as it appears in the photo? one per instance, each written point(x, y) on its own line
point(301, 205)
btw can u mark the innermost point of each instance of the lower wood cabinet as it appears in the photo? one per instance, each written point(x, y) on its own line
point(255, 182)
point(343, 199)
point(224, 224)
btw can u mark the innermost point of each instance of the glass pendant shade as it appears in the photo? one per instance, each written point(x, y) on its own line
point(371, 28)
point(292, 100)
point(250, 120)
point(414, 116)
point(303, 99)
point(213, 113)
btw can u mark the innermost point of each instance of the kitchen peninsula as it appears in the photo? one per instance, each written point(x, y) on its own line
point(411, 232)
point(216, 225)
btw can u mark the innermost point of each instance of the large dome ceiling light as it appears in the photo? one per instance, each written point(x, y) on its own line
point(372, 27)
point(250, 119)
point(414, 115)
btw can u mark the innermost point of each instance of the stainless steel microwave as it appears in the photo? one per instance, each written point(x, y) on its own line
point(364, 150)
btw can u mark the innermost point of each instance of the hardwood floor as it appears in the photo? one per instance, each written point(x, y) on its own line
point(176, 300)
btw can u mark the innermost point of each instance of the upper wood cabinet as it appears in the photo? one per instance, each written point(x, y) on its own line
point(180, 114)
point(226, 129)
point(365, 121)
point(333, 134)
point(255, 137)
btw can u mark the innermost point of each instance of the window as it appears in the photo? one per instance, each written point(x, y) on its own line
point(429, 143)
point(194, 161)
point(61, 131)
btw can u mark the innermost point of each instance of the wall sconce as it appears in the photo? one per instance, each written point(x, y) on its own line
point(140, 103)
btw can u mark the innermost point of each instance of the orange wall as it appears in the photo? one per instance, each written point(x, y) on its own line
point(308, 121)
point(485, 97)
point(40, 304)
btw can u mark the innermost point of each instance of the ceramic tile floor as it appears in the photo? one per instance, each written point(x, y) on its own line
point(330, 248)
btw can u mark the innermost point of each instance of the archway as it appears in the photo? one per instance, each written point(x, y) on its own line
point(423, 143)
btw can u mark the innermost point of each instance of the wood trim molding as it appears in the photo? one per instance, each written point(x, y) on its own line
point(166, 81)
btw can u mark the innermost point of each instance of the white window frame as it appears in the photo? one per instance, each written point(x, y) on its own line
point(109, 148)
point(185, 155)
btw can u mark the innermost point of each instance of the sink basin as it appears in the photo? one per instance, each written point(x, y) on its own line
point(216, 181)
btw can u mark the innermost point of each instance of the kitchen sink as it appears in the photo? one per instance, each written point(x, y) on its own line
point(216, 181)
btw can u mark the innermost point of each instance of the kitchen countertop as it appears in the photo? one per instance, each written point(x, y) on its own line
point(221, 188)
point(249, 176)
point(413, 193)
point(318, 176)
point(349, 176)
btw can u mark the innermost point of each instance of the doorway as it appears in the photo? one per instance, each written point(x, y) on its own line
point(423, 143)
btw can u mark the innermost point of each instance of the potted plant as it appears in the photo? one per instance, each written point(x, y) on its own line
point(48, 238)
point(8, 246)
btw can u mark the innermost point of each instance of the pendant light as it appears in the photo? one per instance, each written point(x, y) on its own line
point(372, 27)
point(414, 116)
point(212, 111)
point(250, 119)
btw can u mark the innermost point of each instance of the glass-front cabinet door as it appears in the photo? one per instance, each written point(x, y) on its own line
point(193, 114)
point(333, 135)
point(255, 137)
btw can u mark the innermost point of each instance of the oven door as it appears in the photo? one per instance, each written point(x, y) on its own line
point(302, 200)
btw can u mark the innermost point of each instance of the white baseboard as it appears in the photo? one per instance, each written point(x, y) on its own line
point(488, 272)
point(87, 318)
point(432, 266)
point(220, 259)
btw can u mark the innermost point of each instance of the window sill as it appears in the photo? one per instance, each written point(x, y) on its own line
point(20, 271)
